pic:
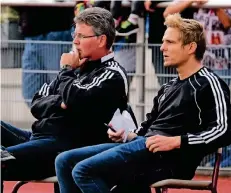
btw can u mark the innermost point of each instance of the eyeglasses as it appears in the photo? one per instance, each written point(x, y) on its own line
point(81, 36)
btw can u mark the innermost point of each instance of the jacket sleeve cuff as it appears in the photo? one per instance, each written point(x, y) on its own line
point(66, 73)
point(184, 141)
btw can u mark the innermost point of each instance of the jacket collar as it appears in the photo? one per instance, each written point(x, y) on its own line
point(107, 57)
point(91, 65)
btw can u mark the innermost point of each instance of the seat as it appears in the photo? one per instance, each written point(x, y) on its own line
point(163, 185)
point(19, 184)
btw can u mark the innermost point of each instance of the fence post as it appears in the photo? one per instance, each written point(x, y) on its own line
point(139, 106)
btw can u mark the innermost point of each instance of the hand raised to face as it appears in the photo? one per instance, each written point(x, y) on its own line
point(72, 59)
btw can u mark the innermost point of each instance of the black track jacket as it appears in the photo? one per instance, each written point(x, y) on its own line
point(197, 109)
point(92, 94)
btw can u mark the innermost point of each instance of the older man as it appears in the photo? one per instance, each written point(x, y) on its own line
point(71, 111)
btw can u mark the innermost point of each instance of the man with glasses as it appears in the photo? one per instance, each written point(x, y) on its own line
point(72, 110)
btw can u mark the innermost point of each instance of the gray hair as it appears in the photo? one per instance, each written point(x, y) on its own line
point(101, 21)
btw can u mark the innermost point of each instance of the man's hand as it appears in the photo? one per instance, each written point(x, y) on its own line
point(162, 143)
point(116, 136)
point(200, 2)
point(223, 17)
point(63, 106)
point(147, 5)
point(119, 135)
point(72, 59)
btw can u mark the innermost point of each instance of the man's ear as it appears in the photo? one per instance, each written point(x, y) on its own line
point(103, 41)
point(192, 47)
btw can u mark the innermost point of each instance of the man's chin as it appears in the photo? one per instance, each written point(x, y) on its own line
point(166, 64)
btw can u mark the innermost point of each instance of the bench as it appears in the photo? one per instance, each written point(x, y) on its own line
point(163, 185)
point(19, 184)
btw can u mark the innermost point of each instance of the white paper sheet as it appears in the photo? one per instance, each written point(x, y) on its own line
point(123, 121)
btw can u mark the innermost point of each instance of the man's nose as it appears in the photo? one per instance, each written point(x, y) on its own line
point(162, 47)
point(76, 41)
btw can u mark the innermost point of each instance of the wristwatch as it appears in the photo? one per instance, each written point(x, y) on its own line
point(66, 66)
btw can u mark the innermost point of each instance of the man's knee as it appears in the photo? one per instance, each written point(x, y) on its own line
point(12, 136)
point(62, 161)
point(80, 170)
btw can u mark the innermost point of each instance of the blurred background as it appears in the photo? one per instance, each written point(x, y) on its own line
point(35, 33)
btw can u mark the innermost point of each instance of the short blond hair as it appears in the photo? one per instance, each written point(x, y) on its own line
point(191, 31)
